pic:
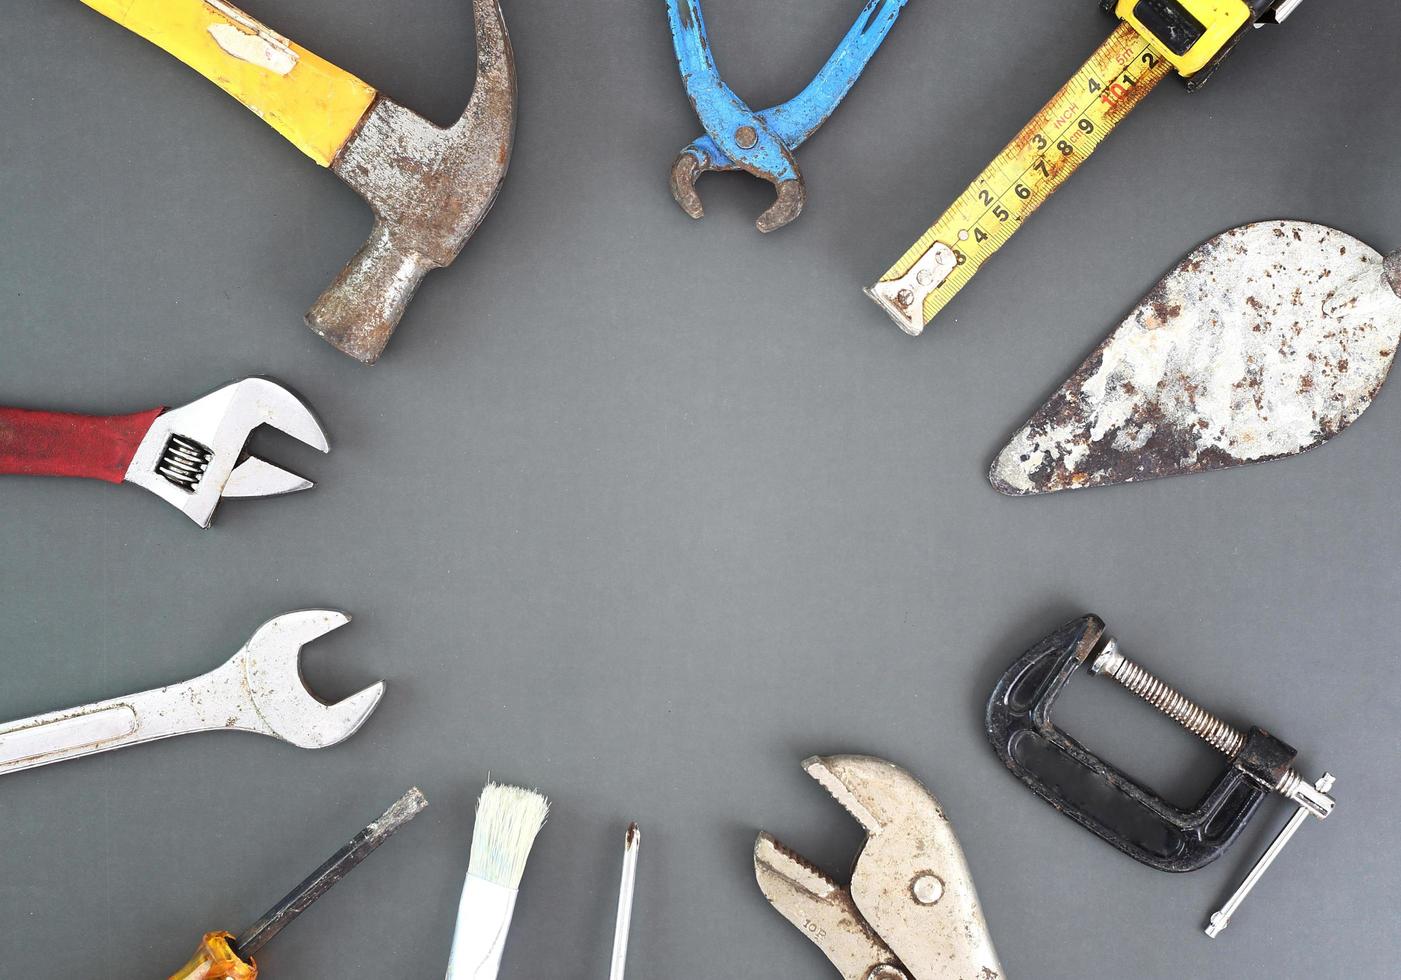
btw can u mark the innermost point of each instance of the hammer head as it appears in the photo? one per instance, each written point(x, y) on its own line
point(429, 189)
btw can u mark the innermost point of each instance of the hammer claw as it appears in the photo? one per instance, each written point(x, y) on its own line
point(429, 189)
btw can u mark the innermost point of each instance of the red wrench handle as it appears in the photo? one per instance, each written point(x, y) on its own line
point(57, 444)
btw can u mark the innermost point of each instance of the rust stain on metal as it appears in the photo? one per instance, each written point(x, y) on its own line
point(1265, 342)
point(429, 187)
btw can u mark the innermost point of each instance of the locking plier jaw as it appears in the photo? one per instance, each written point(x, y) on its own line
point(911, 911)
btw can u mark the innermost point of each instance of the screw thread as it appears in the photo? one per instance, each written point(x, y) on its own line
point(1202, 723)
point(1289, 784)
point(1171, 702)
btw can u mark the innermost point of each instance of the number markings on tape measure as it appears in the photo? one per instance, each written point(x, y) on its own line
point(1041, 158)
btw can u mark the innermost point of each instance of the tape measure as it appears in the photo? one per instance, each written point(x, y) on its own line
point(1156, 37)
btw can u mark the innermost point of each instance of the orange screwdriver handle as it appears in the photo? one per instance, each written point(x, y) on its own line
point(216, 960)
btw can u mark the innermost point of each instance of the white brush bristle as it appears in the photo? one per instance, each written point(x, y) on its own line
point(508, 818)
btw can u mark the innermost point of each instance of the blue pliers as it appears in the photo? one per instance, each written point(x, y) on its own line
point(762, 143)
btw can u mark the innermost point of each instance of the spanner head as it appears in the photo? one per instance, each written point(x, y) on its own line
point(272, 677)
point(193, 456)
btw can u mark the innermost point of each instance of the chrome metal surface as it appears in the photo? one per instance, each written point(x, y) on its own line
point(903, 298)
point(1280, 14)
point(320, 881)
point(220, 423)
point(1221, 919)
point(259, 690)
point(622, 928)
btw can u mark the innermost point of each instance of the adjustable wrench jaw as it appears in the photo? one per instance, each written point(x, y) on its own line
point(193, 456)
point(911, 911)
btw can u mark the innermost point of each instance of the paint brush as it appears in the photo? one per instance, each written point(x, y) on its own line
point(508, 819)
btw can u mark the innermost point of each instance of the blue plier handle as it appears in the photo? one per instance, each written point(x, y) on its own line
point(762, 143)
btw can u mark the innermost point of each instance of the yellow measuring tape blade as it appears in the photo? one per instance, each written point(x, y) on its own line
point(1056, 141)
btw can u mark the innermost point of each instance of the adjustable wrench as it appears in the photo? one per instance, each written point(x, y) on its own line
point(259, 690)
point(191, 457)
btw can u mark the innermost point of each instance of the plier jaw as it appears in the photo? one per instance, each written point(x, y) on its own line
point(696, 160)
point(763, 143)
point(911, 911)
point(823, 911)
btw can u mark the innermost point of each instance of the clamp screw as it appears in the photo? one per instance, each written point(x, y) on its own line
point(1200, 722)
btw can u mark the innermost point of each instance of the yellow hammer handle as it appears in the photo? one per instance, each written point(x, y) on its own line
point(216, 960)
point(305, 98)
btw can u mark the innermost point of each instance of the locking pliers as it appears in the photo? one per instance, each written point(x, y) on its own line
point(762, 143)
point(911, 911)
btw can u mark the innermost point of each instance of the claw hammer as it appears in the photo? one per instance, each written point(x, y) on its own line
point(429, 187)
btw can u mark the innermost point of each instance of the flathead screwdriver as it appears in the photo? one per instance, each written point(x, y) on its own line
point(222, 957)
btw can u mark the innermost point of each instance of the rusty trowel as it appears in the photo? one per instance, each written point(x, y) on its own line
point(1265, 342)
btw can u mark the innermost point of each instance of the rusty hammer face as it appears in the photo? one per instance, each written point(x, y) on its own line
point(429, 187)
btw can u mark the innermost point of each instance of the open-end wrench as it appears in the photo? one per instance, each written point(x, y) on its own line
point(190, 457)
point(763, 143)
point(259, 690)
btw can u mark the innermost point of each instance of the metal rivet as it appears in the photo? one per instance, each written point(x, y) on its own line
point(746, 137)
point(925, 276)
point(927, 889)
point(905, 297)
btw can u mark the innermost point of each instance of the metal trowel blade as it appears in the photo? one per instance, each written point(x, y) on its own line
point(1265, 342)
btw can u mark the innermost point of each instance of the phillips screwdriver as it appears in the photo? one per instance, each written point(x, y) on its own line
point(221, 956)
point(622, 928)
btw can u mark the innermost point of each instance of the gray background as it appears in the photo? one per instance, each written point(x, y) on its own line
point(643, 511)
